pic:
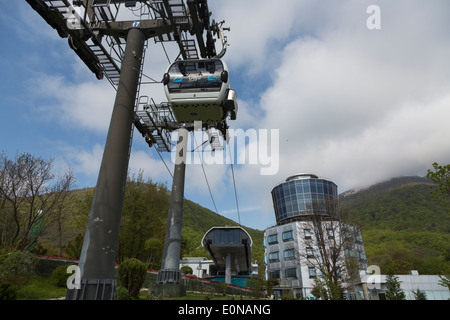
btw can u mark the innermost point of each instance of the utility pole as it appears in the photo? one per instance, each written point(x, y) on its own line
point(169, 275)
point(101, 240)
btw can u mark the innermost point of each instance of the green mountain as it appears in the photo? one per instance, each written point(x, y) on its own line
point(144, 217)
point(402, 225)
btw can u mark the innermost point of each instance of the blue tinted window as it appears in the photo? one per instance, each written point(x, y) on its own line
point(292, 187)
point(298, 186)
point(306, 188)
point(313, 187)
point(273, 257)
point(301, 205)
point(287, 235)
point(272, 239)
point(226, 236)
point(319, 187)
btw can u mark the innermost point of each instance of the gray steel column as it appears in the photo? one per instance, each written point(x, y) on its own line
point(101, 240)
point(170, 265)
point(228, 269)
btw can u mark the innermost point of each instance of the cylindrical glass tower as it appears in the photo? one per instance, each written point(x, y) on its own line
point(302, 195)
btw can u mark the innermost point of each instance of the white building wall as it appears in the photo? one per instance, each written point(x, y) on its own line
point(199, 265)
point(303, 282)
point(428, 284)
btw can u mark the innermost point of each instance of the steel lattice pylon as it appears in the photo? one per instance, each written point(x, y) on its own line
point(113, 47)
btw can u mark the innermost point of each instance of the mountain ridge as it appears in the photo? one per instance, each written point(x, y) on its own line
point(402, 225)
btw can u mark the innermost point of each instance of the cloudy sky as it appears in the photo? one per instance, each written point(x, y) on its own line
point(348, 103)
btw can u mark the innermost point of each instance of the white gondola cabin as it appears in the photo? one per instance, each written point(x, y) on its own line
point(199, 90)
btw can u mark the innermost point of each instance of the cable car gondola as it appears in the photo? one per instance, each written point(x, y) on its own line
point(199, 90)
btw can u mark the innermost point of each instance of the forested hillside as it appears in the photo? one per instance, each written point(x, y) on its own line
point(403, 226)
point(143, 225)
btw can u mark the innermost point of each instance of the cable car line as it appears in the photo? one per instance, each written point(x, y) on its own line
point(234, 185)
point(186, 200)
point(165, 52)
point(206, 179)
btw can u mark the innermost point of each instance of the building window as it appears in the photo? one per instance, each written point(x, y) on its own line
point(362, 256)
point(272, 239)
point(309, 252)
point(330, 233)
point(287, 236)
point(291, 273)
point(227, 236)
point(274, 274)
point(274, 257)
point(312, 272)
point(308, 234)
point(289, 254)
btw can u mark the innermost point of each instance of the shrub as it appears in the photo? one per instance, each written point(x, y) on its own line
point(209, 292)
point(186, 270)
point(122, 294)
point(132, 274)
point(17, 266)
point(7, 292)
point(59, 276)
point(18, 263)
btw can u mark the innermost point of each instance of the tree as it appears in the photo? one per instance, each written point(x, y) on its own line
point(74, 247)
point(27, 198)
point(445, 281)
point(327, 240)
point(145, 209)
point(419, 295)
point(131, 274)
point(64, 185)
point(270, 283)
point(319, 290)
point(352, 277)
point(257, 286)
point(394, 292)
point(441, 176)
point(154, 247)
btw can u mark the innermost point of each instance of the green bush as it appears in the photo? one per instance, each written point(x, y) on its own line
point(122, 294)
point(132, 274)
point(59, 276)
point(7, 292)
point(16, 267)
point(18, 263)
point(186, 270)
point(209, 292)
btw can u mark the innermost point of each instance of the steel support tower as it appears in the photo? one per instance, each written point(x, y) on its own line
point(115, 49)
point(170, 266)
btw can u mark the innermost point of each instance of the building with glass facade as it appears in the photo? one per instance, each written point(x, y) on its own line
point(303, 194)
point(307, 230)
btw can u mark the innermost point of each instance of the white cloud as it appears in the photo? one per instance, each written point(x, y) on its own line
point(353, 105)
point(88, 161)
point(152, 168)
point(347, 103)
point(85, 105)
point(357, 106)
